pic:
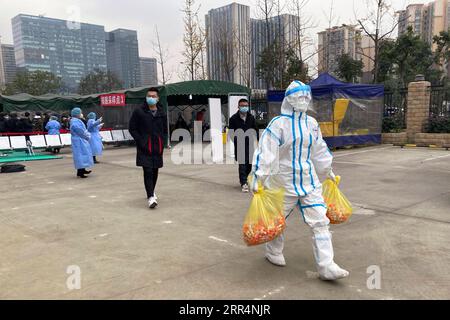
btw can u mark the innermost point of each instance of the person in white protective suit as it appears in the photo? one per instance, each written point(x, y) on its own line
point(291, 154)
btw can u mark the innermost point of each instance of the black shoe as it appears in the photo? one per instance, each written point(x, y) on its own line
point(96, 161)
point(86, 171)
point(80, 174)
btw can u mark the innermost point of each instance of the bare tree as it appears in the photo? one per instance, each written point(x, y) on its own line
point(201, 61)
point(379, 11)
point(305, 22)
point(162, 56)
point(245, 51)
point(192, 38)
point(226, 41)
point(266, 8)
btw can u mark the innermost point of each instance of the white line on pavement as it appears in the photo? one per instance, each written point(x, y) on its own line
point(227, 242)
point(358, 152)
point(435, 158)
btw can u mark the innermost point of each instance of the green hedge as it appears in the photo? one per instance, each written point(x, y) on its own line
point(393, 124)
point(439, 125)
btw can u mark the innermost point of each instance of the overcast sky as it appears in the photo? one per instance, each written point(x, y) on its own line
point(143, 15)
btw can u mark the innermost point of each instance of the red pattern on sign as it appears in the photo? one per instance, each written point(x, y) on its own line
point(112, 100)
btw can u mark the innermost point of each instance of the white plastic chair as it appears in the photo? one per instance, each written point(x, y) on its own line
point(66, 139)
point(18, 142)
point(117, 135)
point(106, 136)
point(53, 140)
point(38, 141)
point(127, 135)
point(4, 143)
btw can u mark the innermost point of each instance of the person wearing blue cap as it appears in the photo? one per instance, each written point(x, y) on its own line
point(81, 149)
point(291, 155)
point(94, 126)
point(53, 128)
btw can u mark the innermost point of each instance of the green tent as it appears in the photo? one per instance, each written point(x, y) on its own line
point(189, 92)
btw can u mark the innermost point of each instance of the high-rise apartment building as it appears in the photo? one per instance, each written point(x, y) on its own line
point(228, 44)
point(70, 50)
point(283, 29)
point(336, 41)
point(149, 71)
point(122, 51)
point(7, 64)
point(367, 58)
point(426, 20)
point(235, 42)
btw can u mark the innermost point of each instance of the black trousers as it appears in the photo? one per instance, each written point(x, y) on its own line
point(244, 171)
point(150, 179)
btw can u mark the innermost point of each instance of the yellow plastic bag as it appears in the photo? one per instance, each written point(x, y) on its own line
point(265, 218)
point(339, 208)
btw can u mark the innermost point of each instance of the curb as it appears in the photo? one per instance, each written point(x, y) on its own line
point(429, 146)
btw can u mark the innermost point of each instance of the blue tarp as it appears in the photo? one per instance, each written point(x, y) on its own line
point(327, 85)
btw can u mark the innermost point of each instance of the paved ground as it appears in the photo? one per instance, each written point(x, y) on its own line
point(191, 246)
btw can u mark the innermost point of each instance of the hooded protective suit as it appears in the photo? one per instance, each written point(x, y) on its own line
point(93, 126)
point(291, 154)
point(53, 126)
point(82, 154)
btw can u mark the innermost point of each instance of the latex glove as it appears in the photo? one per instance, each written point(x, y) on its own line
point(254, 187)
point(101, 119)
point(331, 175)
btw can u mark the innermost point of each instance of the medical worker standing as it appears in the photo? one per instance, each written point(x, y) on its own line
point(81, 149)
point(94, 126)
point(53, 127)
point(291, 154)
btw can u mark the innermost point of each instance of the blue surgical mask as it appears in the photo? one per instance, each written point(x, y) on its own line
point(244, 109)
point(152, 101)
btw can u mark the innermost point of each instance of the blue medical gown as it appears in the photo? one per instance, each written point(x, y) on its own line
point(81, 149)
point(53, 127)
point(93, 126)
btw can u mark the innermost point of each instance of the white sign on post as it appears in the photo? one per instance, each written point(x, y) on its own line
point(215, 115)
point(233, 106)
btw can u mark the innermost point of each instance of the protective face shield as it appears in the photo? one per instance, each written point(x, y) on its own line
point(298, 96)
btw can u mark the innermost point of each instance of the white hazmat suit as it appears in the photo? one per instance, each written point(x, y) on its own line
point(291, 153)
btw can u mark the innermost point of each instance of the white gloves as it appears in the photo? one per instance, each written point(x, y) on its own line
point(331, 175)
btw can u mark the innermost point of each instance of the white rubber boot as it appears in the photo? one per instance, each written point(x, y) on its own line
point(324, 255)
point(274, 251)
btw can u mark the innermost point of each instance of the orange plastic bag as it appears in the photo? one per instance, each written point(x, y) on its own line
point(339, 208)
point(265, 218)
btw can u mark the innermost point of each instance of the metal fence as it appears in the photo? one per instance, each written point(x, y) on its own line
point(440, 102)
point(395, 108)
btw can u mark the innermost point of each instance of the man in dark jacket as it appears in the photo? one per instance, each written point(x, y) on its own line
point(244, 126)
point(3, 125)
point(26, 124)
point(13, 123)
point(148, 126)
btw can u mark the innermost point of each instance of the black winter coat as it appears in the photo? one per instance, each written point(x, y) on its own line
point(237, 123)
point(150, 134)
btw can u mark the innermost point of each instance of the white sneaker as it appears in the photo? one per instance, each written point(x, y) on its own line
point(276, 260)
point(152, 203)
point(333, 272)
point(245, 188)
point(155, 196)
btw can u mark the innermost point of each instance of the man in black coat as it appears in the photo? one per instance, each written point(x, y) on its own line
point(148, 126)
point(245, 121)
